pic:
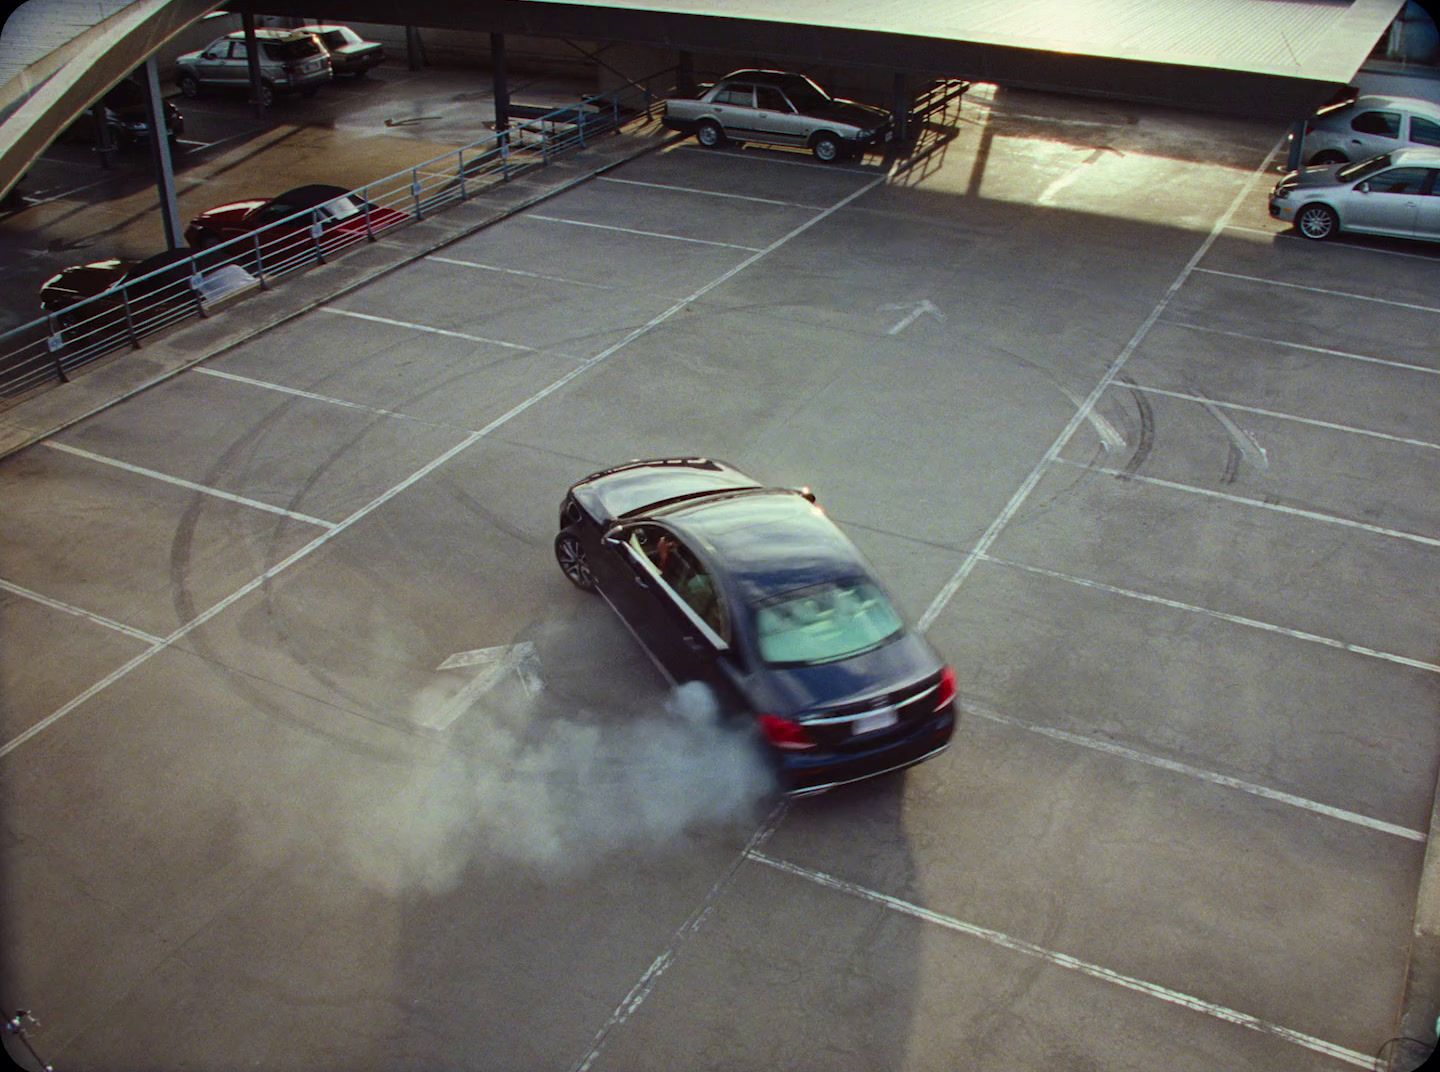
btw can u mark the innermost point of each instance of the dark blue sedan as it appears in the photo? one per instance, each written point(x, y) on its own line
point(755, 592)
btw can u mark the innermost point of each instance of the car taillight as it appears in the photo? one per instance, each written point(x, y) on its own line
point(947, 688)
point(785, 733)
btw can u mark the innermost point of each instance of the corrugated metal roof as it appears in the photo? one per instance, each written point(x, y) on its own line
point(1326, 40)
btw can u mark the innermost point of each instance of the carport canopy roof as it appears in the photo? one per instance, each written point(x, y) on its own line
point(1272, 56)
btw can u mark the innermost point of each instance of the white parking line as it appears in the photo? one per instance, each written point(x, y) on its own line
point(98, 619)
point(426, 328)
point(634, 231)
point(1220, 615)
point(1064, 960)
point(519, 272)
point(1212, 777)
point(710, 193)
point(1241, 500)
point(779, 156)
point(421, 473)
point(641, 990)
point(1319, 290)
point(166, 478)
point(67, 193)
point(1405, 365)
point(1331, 425)
point(1290, 236)
point(937, 605)
point(328, 399)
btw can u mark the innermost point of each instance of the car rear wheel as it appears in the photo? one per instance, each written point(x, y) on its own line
point(570, 553)
point(826, 148)
point(1317, 221)
point(266, 96)
point(1329, 156)
point(189, 85)
point(710, 135)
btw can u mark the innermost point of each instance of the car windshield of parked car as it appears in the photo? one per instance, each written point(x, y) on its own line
point(825, 622)
point(342, 208)
point(1363, 168)
point(805, 95)
point(298, 49)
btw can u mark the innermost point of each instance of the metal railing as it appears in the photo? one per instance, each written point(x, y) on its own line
point(196, 282)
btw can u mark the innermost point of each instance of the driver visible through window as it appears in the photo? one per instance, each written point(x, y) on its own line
point(825, 622)
point(680, 570)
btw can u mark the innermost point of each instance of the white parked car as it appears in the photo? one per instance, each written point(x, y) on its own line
point(1369, 126)
point(1395, 194)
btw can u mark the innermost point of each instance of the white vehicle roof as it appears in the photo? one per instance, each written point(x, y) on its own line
point(1377, 101)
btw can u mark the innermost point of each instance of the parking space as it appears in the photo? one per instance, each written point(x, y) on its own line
point(1161, 484)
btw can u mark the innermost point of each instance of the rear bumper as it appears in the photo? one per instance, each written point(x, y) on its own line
point(804, 775)
point(686, 126)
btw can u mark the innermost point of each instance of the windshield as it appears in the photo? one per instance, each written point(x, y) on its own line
point(805, 94)
point(342, 208)
point(299, 48)
point(825, 622)
point(335, 39)
point(1363, 168)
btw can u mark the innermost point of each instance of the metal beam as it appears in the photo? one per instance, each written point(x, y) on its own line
point(160, 152)
point(501, 82)
point(252, 61)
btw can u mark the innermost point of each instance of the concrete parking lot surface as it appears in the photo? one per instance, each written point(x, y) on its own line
point(315, 760)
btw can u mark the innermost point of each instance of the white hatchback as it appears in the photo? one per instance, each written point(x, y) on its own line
point(1369, 126)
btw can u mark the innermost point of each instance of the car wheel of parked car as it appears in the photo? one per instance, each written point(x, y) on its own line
point(267, 94)
point(188, 84)
point(570, 553)
point(826, 147)
point(1317, 221)
point(1329, 156)
point(710, 135)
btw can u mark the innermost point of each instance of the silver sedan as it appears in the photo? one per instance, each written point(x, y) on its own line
point(1395, 194)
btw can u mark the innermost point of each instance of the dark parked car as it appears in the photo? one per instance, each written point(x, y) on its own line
point(159, 292)
point(755, 592)
point(342, 217)
point(349, 52)
point(124, 112)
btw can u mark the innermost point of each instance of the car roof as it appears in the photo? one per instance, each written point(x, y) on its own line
point(765, 540)
point(1415, 156)
point(768, 78)
point(270, 33)
point(311, 196)
point(1405, 104)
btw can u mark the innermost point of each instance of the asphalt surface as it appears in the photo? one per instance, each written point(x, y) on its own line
point(315, 760)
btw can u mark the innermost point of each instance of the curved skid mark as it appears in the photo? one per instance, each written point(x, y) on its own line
point(1146, 442)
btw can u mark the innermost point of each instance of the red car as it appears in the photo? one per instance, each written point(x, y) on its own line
point(342, 218)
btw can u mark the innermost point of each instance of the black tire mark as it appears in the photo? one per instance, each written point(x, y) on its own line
point(1146, 441)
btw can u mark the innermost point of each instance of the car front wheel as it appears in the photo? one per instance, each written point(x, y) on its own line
point(189, 85)
point(826, 147)
point(570, 554)
point(1317, 222)
point(710, 135)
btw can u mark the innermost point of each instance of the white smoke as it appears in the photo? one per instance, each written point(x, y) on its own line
point(533, 782)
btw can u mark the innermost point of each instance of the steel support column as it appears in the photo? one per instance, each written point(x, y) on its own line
point(252, 61)
point(412, 47)
point(900, 110)
point(160, 153)
point(501, 82)
point(685, 74)
point(104, 143)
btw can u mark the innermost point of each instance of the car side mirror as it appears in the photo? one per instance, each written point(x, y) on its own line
point(805, 493)
point(1362, 188)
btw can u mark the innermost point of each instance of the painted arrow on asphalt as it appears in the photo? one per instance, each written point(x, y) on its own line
point(917, 309)
point(494, 665)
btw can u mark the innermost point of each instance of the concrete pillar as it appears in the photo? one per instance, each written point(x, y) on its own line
point(412, 47)
point(160, 152)
point(252, 59)
point(501, 82)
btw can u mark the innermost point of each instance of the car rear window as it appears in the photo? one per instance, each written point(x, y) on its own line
point(825, 622)
point(300, 48)
point(335, 39)
point(1423, 131)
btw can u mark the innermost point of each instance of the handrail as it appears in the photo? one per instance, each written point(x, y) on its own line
point(48, 348)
